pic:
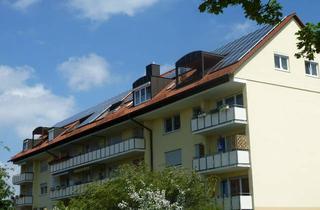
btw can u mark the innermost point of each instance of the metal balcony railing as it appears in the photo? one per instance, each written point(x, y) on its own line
point(222, 161)
point(217, 119)
point(239, 202)
point(70, 191)
point(122, 148)
point(22, 178)
point(24, 201)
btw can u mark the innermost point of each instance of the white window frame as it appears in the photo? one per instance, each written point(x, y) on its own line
point(280, 62)
point(140, 90)
point(310, 70)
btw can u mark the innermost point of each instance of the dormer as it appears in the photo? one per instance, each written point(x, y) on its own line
point(147, 86)
point(27, 144)
point(54, 132)
point(200, 62)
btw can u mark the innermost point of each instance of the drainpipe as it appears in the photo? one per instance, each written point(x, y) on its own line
point(151, 140)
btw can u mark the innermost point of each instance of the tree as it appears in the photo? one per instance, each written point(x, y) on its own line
point(5, 189)
point(270, 13)
point(136, 187)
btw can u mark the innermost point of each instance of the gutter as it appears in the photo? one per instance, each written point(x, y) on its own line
point(151, 139)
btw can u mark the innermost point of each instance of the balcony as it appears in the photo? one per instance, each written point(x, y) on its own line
point(24, 201)
point(239, 202)
point(123, 149)
point(22, 178)
point(229, 117)
point(70, 191)
point(222, 162)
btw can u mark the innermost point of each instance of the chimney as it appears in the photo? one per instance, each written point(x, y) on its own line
point(152, 70)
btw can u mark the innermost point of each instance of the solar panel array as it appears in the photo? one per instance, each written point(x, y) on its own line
point(171, 75)
point(93, 112)
point(234, 50)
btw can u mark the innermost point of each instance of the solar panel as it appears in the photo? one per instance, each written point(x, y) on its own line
point(93, 112)
point(170, 75)
point(234, 50)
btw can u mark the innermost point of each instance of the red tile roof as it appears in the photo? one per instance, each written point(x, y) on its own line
point(165, 96)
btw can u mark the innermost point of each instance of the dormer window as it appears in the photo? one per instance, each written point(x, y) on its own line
point(142, 94)
point(51, 134)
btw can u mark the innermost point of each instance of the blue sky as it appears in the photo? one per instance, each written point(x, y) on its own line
point(59, 57)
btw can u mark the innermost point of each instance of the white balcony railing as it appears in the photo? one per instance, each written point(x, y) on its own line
point(222, 161)
point(131, 145)
point(209, 121)
point(71, 191)
point(22, 178)
point(239, 202)
point(24, 201)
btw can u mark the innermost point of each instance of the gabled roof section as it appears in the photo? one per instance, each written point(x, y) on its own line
point(236, 49)
point(235, 53)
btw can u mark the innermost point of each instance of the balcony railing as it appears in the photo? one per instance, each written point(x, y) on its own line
point(71, 191)
point(221, 162)
point(115, 150)
point(24, 201)
point(210, 121)
point(22, 178)
point(239, 202)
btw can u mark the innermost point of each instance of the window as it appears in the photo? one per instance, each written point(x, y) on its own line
point(43, 166)
point(43, 188)
point(173, 158)
point(199, 150)
point(235, 100)
point(281, 62)
point(312, 68)
point(172, 123)
point(51, 134)
point(141, 95)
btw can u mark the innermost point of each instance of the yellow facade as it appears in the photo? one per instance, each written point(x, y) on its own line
point(280, 130)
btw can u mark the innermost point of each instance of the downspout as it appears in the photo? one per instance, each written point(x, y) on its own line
point(151, 140)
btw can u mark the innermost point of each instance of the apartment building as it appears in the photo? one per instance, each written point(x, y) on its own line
point(247, 112)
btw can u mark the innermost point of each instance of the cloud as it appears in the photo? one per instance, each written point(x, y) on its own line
point(86, 72)
point(102, 10)
point(239, 29)
point(24, 107)
point(23, 4)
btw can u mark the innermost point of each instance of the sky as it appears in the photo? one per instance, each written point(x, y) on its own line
point(60, 57)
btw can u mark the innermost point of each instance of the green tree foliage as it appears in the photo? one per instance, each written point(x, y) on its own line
point(136, 187)
point(269, 13)
point(5, 189)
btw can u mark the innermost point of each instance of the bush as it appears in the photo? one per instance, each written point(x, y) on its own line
point(136, 187)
